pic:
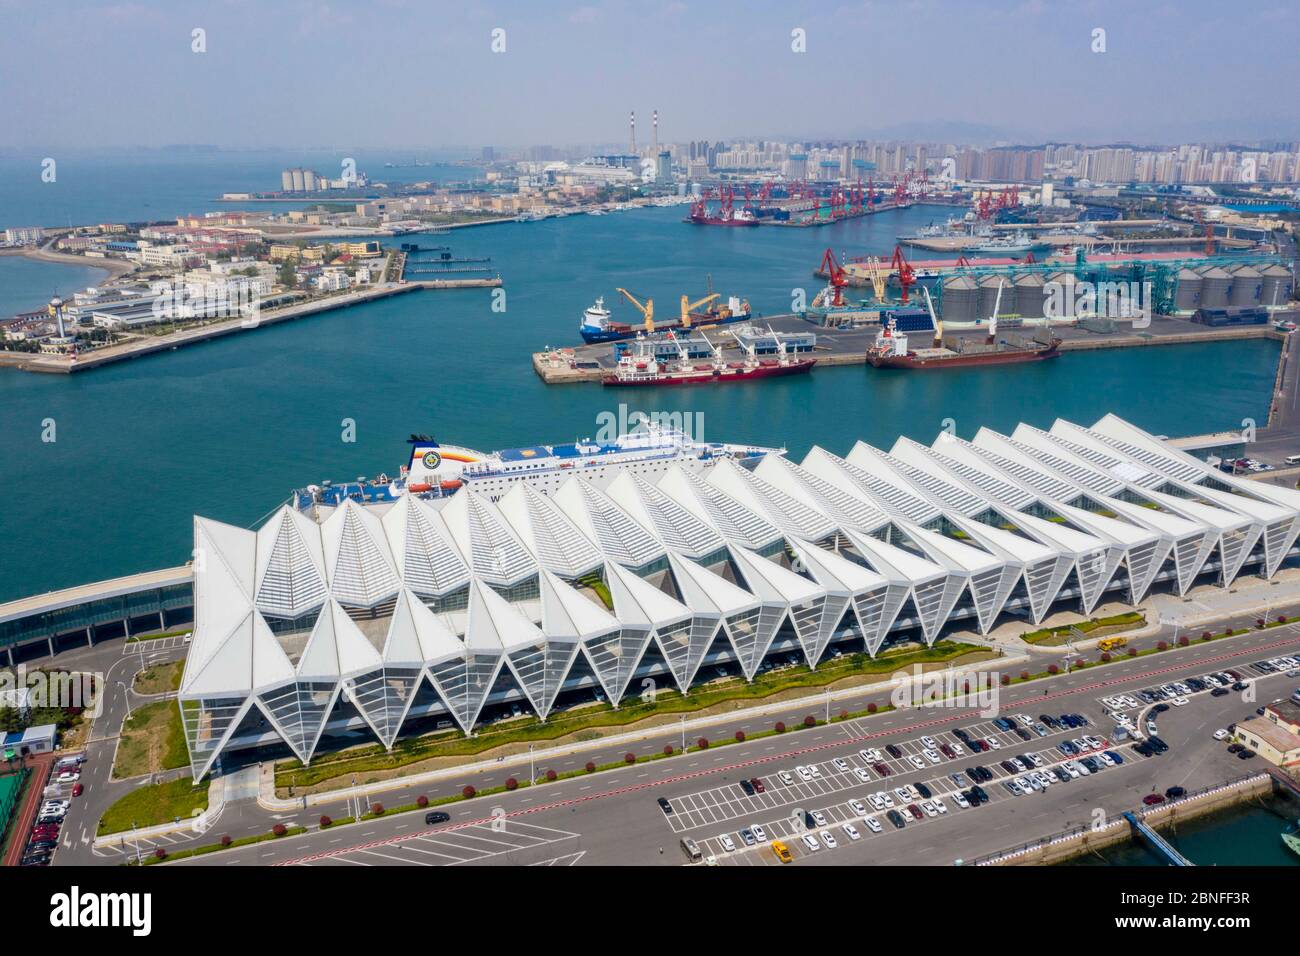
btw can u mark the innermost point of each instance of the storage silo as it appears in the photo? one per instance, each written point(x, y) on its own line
point(1276, 283)
point(1246, 287)
point(959, 299)
point(1187, 297)
point(1029, 295)
point(1215, 285)
point(1060, 292)
point(988, 296)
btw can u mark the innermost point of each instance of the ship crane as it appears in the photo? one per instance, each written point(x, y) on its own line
point(687, 306)
point(647, 310)
point(878, 277)
point(934, 319)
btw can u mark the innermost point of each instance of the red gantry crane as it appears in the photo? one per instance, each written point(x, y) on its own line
point(838, 278)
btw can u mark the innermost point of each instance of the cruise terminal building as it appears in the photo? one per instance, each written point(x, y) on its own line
point(370, 622)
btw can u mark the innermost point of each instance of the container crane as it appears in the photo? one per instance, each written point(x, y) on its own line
point(688, 305)
point(878, 277)
point(647, 310)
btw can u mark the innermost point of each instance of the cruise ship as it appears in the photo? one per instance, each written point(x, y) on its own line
point(435, 470)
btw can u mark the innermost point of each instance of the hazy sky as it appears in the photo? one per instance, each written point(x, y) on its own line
point(421, 73)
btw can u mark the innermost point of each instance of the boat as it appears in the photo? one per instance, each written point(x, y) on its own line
point(1292, 839)
point(435, 470)
point(891, 350)
point(640, 366)
point(1015, 245)
point(597, 323)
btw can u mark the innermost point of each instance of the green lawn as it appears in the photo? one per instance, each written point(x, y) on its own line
point(592, 720)
point(159, 679)
point(153, 740)
point(1097, 627)
point(151, 805)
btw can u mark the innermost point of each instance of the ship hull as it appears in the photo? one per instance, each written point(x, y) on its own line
point(1008, 357)
point(712, 377)
point(713, 221)
point(623, 332)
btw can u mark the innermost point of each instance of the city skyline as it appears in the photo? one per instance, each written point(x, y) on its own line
point(929, 69)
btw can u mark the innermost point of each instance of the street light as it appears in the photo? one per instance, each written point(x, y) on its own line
point(683, 733)
point(532, 771)
point(126, 694)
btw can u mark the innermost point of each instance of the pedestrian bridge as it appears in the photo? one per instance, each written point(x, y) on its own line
point(1158, 844)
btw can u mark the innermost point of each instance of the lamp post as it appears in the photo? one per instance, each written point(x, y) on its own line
point(532, 772)
point(683, 733)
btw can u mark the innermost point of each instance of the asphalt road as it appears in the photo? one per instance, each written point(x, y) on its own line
point(612, 818)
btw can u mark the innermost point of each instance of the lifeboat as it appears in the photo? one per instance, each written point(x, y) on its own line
point(419, 486)
point(451, 484)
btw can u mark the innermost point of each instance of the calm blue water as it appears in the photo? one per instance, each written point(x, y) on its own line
point(133, 186)
point(225, 429)
point(27, 284)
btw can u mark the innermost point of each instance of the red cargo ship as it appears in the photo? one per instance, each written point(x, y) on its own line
point(640, 367)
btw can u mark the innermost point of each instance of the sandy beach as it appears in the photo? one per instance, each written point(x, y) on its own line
point(114, 267)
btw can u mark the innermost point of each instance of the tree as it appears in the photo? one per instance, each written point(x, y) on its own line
point(1005, 680)
point(279, 830)
point(160, 853)
point(668, 750)
point(421, 801)
point(1162, 645)
point(702, 743)
point(377, 809)
point(1053, 669)
point(871, 707)
point(779, 726)
point(810, 721)
point(468, 792)
point(512, 783)
point(325, 822)
point(551, 776)
point(629, 758)
point(1024, 675)
point(226, 841)
point(591, 767)
point(740, 736)
point(1105, 657)
point(1183, 641)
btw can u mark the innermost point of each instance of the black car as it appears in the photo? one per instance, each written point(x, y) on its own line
point(1239, 686)
point(923, 790)
point(1061, 775)
point(961, 733)
point(1144, 748)
point(981, 793)
point(1160, 708)
point(1069, 721)
point(896, 819)
point(1049, 721)
point(747, 787)
point(1009, 767)
point(1173, 793)
point(665, 806)
point(985, 774)
point(1219, 692)
point(1157, 744)
point(1022, 733)
point(972, 775)
point(437, 816)
point(1245, 753)
point(893, 750)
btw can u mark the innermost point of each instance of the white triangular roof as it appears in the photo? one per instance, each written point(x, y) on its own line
point(638, 602)
point(567, 615)
point(495, 624)
point(707, 592)
point(771, 582)
point(336, 647)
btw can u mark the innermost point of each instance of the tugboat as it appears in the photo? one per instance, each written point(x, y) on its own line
point(640, 367)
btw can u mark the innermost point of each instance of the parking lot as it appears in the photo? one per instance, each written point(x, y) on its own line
point(843, 798)
point(504, 841)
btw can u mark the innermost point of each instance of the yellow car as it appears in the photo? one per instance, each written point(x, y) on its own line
point(782, 852)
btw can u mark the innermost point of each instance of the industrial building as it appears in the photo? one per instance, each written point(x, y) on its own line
point(384, 620)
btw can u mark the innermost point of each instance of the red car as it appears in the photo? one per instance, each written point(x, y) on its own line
point(77, 789)
point(882, 769)
point(1151, 799)
point(915, 811)
point(757, 785)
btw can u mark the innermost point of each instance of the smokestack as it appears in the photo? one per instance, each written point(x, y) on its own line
point(656, 132)
point(632, 128)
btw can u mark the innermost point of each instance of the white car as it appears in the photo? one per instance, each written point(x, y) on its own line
point(728, 844)
point(1083, 771)
point(1071, 769)
point(917, 762)
point(828, 838)
point(1151, 727)
point(852, 831)
point(959, 798)
point(804, 773)
point(940, 805)
point(866, 755)
point(1036, 760)
point(995, 743)
point(1014, 787)
point(902, 795)
point(1019, 764)
point(1220, 734)
point(858, 807)
point(928, 742)
point(1106, 759)
point(957, 748)
point(1179, 701)
point(815, 770)
point(1025, 719)
point(841, 764)
point(786, 778)
point(861, 774)
point(819, 818)
point(872, 824)
point(929, 809)
point(932, 756)
point(876, 800)
point(811, 843)
point(759, 833)
point(912, 792)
